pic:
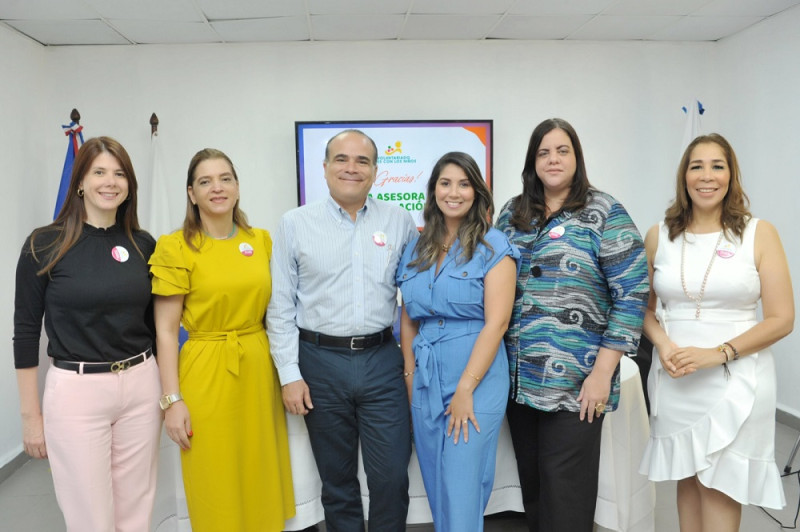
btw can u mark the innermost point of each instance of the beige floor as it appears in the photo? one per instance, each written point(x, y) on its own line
point(27, 502)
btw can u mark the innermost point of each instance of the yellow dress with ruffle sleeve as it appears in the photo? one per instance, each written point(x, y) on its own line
point(237, 474)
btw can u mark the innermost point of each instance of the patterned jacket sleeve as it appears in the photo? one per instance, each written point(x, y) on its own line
point(624, 263)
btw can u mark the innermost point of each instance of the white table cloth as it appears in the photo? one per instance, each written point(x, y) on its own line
point(625, 499)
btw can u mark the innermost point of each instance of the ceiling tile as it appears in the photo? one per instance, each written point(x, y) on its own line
point(462, 7)
point(733, 8)
point(242, 9)
point(263, 29)
point(65, 32)
point(654, 7)
point(178, 10)
point(45, 10)
point(534, 28)
point(621, 28)
point(704, 28)
point(355, 27)
point(167, 32)
point(358, 7)
point(560, 7)
point(452, 27)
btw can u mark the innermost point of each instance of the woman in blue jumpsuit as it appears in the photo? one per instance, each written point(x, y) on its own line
point(457, 281)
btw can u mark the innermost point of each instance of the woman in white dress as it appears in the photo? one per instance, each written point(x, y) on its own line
point(713, 393)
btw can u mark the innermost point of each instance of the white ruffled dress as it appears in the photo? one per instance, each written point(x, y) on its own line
point(720, 428)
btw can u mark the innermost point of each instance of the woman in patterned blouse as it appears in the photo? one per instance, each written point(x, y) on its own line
point(581, 295)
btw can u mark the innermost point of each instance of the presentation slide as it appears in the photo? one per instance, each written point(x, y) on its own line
point(407, 151)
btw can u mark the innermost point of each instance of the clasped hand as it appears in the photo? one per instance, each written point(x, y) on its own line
point(681, 361)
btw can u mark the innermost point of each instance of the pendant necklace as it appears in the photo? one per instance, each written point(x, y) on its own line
point(698, 299)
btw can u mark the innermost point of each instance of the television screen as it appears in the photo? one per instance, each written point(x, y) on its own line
point(407, 151)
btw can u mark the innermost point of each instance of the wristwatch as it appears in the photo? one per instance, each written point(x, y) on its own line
point(169, 398)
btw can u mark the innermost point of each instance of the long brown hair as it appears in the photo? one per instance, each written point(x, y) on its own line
point(192, 224)
point(69, 222)
point(530, 205)
point(735, 204)
point(474, 225)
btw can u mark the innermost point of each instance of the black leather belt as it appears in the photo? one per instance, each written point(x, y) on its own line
point(103, 367)
point(354, 343)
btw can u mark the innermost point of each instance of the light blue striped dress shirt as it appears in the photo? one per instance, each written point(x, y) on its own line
point(332, 275)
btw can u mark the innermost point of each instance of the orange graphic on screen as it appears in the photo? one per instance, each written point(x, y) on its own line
point(398, 148)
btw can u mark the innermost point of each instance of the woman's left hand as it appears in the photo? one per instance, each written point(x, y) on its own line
point(689, 359)
point(594, 396)
point(461, 413)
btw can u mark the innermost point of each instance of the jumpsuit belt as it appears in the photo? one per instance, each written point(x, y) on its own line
point(233, 348)
point(429, 383)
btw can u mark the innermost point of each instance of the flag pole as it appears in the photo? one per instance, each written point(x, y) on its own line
point(73, 131)
point(153, 124)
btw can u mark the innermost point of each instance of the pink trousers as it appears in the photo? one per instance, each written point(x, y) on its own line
point(102, 435)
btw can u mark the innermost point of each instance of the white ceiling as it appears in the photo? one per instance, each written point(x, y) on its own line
point(76, 22)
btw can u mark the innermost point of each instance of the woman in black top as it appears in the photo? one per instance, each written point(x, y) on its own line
point(87, 275)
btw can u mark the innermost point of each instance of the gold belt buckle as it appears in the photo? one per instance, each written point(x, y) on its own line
point(116, 367)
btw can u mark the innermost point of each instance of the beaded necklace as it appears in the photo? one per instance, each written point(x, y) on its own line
point(698, 299)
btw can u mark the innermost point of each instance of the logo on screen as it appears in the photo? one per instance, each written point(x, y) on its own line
point(392, 150)
point(393, 154)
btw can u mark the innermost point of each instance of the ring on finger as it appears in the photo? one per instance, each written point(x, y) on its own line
point(600, 408)
point(464, 422)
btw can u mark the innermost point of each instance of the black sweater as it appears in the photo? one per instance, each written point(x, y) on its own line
point(97, 307)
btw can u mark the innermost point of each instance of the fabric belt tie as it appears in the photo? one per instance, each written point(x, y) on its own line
point(429, 382)
point(233, 348)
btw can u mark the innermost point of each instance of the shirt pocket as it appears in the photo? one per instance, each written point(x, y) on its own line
point(409, 283)
point(386, 261)
point(465, 285)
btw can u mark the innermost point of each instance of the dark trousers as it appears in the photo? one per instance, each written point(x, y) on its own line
point(558, 458)
point(359, 395)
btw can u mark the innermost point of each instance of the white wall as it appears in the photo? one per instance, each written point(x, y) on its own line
point(22, 127)
point(623, 98)
point(759, 112)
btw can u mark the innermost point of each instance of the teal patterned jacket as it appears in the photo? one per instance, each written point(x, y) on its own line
point(582, 285)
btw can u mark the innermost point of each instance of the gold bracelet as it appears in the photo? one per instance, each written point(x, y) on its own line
point(735, 352)
point(468, 372)
point(407, 374)
point(723, 348)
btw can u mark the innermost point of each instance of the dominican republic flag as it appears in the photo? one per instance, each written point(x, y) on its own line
point(75, 133)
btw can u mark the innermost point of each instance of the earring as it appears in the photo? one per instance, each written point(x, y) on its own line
point(80, 192)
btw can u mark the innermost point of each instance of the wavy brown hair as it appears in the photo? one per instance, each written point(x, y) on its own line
point(192, 224)
point(530, 205)
point(474, 225)
point(735, 205)
point(69, 223)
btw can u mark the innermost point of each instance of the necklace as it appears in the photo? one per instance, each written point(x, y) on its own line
point(230, 235)
point(698, 299)
point(446, 247)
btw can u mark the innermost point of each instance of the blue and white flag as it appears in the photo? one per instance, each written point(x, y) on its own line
point(75, 133)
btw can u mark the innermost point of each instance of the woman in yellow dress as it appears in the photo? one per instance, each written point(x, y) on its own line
point(222, 399)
